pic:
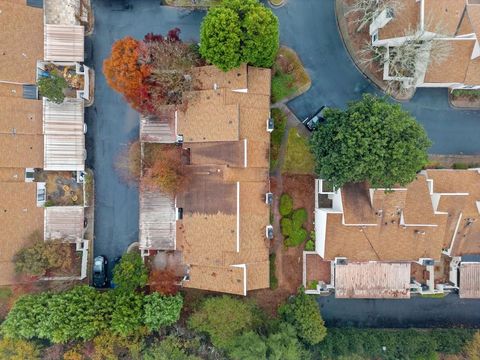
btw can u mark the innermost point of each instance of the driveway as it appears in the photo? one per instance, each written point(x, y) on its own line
point(416, 312)
point(111, 122)
point(310, 28)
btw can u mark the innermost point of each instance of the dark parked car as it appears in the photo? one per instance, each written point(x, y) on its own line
point(100, 271)
point(316, 118)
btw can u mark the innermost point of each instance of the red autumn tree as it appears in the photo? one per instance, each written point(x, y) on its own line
point(125, 74)
point(163, 281)
point(164, 169)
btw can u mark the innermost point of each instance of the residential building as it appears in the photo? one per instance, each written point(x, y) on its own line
point(42, 143)
point(377, 243)
point(451, 31)
point(220, 224)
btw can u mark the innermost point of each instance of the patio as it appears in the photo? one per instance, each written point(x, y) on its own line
point(62, 188)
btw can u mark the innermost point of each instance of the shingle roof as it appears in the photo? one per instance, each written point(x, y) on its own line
point(222, 234)
point(21, 27)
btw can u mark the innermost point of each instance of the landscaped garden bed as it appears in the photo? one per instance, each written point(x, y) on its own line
point(202, 4)
point(280, 120)
point(465, 98)
point(290, 78)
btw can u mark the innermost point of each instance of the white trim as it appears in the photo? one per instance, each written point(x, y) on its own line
point(238, 216)
point(176, 123)
point(245, 146)
point(244, 267)
point(455, 234)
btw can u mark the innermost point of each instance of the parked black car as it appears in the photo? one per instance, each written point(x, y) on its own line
point(100, 271)
point(316, 118)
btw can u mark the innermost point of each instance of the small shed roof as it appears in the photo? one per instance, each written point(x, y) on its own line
point(157, 221)
point(373, 280)
point(64, 43)
point(64, 140)
point(470, 280)
point(64, 222)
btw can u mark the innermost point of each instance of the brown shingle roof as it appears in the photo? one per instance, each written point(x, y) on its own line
point(405, 20)
point(207, 77)
point(21, 150)
point(443, 16)
point(21, 27)
point(25, 116)
point(224, 206)
point(19, 218)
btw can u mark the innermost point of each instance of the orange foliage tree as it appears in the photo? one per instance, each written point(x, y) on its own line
point(163, 281)
point(125, 74)
point(164, 169)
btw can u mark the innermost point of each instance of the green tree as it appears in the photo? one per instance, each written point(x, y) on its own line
point(472, 350)
point(127, 313)
point(248, 346)
point(239, 31)
point(160, 311)
point(18, 350)
point(52, 88)
point(284, 345)
point(223, 319)
point(171, 348)
point(373, 140)
point(220, 38)
point(303, 314)
point(130, 273)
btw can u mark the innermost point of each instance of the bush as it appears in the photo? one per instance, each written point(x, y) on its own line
point(224, 319)
point(310, 245)
point(286, 205)
point(52, 88)
point(287, 226)
point(280, 120)
point(299, 217)
point(303, 313)
point(297, 237)
point(160, 311)
point(130, 273)
point(127, 316)
point(18, 350)
point(170, 348)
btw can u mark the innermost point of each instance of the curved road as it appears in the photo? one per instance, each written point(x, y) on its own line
point(310, 28)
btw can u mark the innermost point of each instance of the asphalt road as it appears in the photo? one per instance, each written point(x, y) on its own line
point(415, 312)
point(111, 122)
point(310, 28)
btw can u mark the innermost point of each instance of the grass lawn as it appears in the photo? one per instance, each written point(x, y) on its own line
point(298, 159)
point(290, 77)
point(280, 120)
point(273, 276)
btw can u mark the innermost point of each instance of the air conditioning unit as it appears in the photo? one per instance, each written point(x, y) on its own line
point(179, 139)
point(341, 261)
point(179, 214)
point(270, 125)
point(428, 262)
point(269, 232)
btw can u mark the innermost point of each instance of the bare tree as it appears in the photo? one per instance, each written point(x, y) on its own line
point(368, 10)
point(408, 61)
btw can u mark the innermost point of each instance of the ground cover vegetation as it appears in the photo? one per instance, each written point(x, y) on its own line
point(52, 87)
point(152, 72)
point(372, 140)
point(298, 158)
point(239, 31)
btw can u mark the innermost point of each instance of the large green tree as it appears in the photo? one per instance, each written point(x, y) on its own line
point(372, 140)
point(248, 346)
point(130, 273)
point(239, 31)
point(284, 345)
point(224, 319)
point(302, 312)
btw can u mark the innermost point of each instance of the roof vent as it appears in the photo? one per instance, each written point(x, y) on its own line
point(179, 214)
point(179, 139)
point(419, 232)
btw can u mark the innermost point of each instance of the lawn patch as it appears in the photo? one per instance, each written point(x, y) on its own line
point(298, 159)
point(280, 121)
point(289, 76)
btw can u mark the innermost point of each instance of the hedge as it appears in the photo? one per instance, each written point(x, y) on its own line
point(286, 205)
